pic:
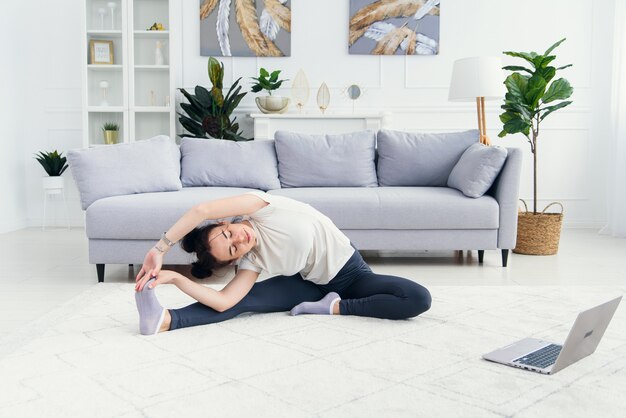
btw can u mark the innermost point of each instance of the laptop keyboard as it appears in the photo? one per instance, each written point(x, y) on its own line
point(541, 358)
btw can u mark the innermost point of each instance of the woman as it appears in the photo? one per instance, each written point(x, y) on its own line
point(315, 267)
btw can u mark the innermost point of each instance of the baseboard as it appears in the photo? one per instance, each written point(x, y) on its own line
point(13, 226)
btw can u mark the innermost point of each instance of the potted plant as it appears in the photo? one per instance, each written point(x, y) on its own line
point(54, 164)
point(269, 82)
point(111, 132)
point(532, 95)
point(208, 112)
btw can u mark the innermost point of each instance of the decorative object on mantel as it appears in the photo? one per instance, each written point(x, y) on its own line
point(381, 28)
point(354, 92)
point(529, 100)
point(300, 90)
point(477, 79)
point(267, 34)
point(104, 88)
point(269, 82)
point(111, 132)
point(323, 97)
point(209, 111)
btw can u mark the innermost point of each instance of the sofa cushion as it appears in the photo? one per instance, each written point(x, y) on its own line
point(151, 165)
point(147, 215)
point(216, 162)
point(326, 160)
point(399, 207)
point(477, 168)
point(420, 159)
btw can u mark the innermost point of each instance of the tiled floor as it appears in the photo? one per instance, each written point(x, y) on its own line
point(40, 270)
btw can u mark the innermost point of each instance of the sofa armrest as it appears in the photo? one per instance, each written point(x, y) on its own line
point(506, 192)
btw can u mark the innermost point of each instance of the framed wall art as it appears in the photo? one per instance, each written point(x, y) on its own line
point(394, 27)
point(245, 28)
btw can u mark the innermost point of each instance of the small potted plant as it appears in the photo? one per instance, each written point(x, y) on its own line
point(111, 132)
point(269, 82)
point(54, 164)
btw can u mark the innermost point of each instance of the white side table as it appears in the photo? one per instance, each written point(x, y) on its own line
point(265, 125)
point(53, 187)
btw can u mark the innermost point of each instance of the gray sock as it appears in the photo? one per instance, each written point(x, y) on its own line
point(322, 306)
point(151, 313)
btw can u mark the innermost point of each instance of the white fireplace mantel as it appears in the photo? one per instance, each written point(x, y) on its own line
point(265, 125)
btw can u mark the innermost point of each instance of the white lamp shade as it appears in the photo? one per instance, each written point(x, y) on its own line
point(477, 77)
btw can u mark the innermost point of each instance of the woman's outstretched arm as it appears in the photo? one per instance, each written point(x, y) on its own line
point(221, 300)
point(244, 204)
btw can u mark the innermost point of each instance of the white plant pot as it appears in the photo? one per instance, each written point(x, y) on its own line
point(272, 104)
point(53, 182)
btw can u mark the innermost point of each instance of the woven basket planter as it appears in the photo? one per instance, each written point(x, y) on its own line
point(538, 233)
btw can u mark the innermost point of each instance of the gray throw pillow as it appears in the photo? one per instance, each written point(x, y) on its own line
point(420, 159)
point(151, 165)
point(345, 160)
point(218, 162)
point(477, 169)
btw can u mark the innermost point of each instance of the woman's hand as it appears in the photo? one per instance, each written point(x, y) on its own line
point(151, 267)
point(163, 277)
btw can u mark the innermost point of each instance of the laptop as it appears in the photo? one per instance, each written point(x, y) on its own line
point(548, 358)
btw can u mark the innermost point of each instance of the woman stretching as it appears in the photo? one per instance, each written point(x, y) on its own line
point(316, 268)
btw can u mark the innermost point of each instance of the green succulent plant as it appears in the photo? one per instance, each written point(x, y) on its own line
point(53, 162)
point(110, 126)
point(208, 113)
point(531, 97)
point(266, 81)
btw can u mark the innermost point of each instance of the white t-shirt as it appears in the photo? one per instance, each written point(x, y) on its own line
point(293, 237)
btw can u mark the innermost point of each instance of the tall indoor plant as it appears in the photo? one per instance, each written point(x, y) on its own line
point(531, 96)
point(209, 111)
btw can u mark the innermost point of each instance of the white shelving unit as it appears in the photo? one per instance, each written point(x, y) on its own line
point(141, 96)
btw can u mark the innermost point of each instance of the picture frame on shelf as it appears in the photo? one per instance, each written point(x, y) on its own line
point(101, 51)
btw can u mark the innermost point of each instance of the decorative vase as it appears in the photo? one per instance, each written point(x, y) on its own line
point(272, 104)
point(538, 233)
point(112, 5)
point(53, 182)
point(323, 97)
point(110, 137)
point(300, 90)
point(158, 53)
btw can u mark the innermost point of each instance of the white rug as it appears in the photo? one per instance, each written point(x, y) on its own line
point(87, 359)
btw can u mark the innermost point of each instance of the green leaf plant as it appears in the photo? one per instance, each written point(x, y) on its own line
point(208, 113)
point(531, 96)
point(267, 81)
point(53, 162)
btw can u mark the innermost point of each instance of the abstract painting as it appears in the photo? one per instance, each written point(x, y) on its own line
point(394, 27)
point(245, 28)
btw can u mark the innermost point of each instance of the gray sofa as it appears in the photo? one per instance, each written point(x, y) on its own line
point(126, 212)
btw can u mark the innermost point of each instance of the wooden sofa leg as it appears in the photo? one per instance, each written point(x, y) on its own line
point(505, 257)
point(481, 256)
point(100, 270)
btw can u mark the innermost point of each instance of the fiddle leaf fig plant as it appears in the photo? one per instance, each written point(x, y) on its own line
point(267, 81)
point(531, 96)
point(208, 113)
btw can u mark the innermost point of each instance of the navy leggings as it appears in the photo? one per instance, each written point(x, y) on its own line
point(362, 292)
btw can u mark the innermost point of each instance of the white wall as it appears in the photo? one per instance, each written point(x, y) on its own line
point(573, 142)
point(12, 200)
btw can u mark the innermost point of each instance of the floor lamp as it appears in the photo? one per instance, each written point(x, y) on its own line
point(477, 79)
